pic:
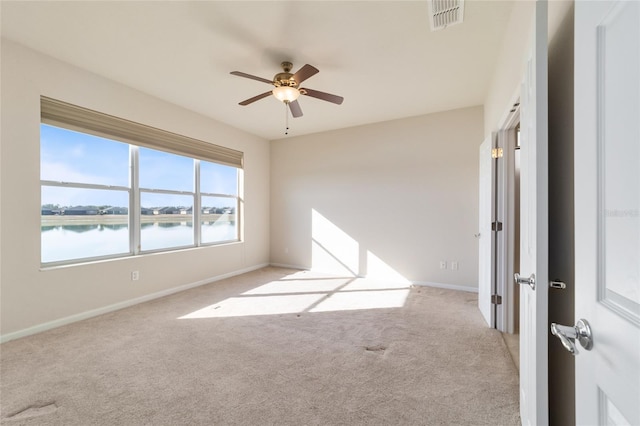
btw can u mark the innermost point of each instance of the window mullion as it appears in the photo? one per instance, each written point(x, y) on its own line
point(239, 205)
point(208, 194)
point(82, 185)
point(134, 197)
point(166, 191)
point(197, 236)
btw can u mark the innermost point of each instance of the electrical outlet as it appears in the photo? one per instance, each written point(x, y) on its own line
point(135, 275)
point(286, 250)
point(454, 265)
point(443, 264)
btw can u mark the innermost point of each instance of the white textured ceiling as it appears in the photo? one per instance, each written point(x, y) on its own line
point(380, 56)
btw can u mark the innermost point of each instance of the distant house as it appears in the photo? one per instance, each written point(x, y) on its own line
point(81, 211)
point(169, 210)
point(149, 211)
point(115, 210)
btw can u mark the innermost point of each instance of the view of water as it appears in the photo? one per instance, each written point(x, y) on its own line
point(62, 242)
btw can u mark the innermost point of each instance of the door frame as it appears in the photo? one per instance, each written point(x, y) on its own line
point(506, 315)
point(506, 318)
point(486, 236)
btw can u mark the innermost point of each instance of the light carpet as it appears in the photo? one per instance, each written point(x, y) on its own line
point(270, 347)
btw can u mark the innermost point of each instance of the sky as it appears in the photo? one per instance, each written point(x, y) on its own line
point(69, 156)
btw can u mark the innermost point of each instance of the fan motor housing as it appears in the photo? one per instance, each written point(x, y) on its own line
point(284, 79)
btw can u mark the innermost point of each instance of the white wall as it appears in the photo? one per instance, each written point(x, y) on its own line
point(32, 297)
point(402, 193)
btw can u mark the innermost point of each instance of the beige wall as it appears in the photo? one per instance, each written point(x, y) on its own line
point(32, 297)
point(507, 77)
point(392, 197)
point(509, 70)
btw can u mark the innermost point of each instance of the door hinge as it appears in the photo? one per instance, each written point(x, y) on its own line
point(496, 226)
point(496, 299)
point(497, 153)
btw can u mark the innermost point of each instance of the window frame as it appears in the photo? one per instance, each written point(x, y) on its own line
point(229, 158)
point(78, 185)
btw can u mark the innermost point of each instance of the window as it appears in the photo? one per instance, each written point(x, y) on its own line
point(82, 177)
point(166, 187)
point(103, 196)
point(217, 201)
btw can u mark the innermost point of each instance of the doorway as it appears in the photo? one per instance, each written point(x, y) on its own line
point(506, 259)
point(499, 230)
point(512, 337)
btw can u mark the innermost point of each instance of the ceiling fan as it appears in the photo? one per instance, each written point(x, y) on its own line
point(287, 87)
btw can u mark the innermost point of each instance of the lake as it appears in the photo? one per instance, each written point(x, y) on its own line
point(101, 236)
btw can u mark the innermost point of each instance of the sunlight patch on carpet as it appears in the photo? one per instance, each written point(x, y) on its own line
point(309, 293)
point(300, 286)
point(267, 305)
point(355, 300)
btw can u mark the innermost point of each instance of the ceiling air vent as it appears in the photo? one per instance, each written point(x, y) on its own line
point(444, 13)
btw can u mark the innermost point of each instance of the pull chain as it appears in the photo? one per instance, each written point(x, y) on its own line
point(286, 119)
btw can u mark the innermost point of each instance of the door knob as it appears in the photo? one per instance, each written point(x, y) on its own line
point(531, 281)
point(568, 335)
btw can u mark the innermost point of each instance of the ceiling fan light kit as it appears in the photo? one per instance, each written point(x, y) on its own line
point(287, 87)
point(286, 94)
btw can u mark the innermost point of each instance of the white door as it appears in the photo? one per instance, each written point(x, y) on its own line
point(607, 210)
point(485, 236)
point(534, 229)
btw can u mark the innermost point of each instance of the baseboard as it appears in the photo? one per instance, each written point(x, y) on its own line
point(446, 286)
point(120, 305)
point(418, 283)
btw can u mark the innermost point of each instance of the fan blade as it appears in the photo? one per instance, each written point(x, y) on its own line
point(252, 77)
point(304, 73)
point(296, 111)
point(322, 95)
point(255, 98)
